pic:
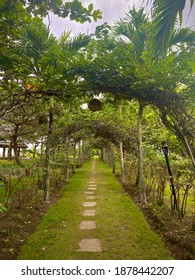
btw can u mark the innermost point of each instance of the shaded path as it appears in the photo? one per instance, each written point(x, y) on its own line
point(94, 219)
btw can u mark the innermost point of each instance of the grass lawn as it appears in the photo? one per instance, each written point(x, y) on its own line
point(121, 226)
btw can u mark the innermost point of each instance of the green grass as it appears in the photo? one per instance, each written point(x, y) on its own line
point(121, 226)
point(5, 162)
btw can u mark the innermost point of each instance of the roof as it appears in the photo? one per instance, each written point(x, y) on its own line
point(6, 144)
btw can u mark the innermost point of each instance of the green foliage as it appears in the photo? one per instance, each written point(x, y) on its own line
point(2, 208)
point(81, 14)
point(135, 27)
point(102, 31)
point(74, 9)
point(165, 15)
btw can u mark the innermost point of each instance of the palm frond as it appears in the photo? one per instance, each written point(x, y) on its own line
point(37, 39)
point(76, 43)
point(7, 62)
point(184, 35)
point(165, 15)
point(124, 28)
point(135, 28)
point(80, 41)
point(136, 18)
point(64, 37)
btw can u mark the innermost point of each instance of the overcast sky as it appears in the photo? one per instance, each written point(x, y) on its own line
point(112, 10)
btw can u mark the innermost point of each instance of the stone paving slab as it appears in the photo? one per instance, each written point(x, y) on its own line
point(89, 204)
point(91, 197)
point(92, 185)
point(87, 225)
point(92, 189)
point(89, 192)
point(90, 245)
point(89, 213)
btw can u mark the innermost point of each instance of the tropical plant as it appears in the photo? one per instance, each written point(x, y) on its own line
point(165, 14)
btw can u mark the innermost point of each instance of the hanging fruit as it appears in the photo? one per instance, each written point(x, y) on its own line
point(94, 105)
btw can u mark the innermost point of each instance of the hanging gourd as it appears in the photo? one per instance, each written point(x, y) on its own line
point(94, 105)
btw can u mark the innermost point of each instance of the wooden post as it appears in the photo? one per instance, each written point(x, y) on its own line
point(47, 152)
point(74, 159)
point(122, 162)
point(67, 160)
point(141, 178)
point(4, 149)
point(113, 159)
point(10, 151)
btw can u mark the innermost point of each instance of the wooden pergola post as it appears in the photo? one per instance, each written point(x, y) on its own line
point(4, 150)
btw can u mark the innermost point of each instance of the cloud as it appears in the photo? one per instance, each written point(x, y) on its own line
point(188, 16)
point(112, 10)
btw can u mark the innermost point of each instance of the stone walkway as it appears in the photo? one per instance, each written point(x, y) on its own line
point(90, 244)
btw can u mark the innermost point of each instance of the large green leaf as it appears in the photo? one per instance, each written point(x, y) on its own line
point(135, 28)
point(184, 35)
point(165, 15)
point(72, 45)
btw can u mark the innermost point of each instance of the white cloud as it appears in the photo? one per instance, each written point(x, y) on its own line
point(112, 10)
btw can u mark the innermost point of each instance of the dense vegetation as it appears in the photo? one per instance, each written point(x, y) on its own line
point(146, 122)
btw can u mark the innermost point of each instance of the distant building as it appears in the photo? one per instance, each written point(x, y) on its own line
point(7, 151)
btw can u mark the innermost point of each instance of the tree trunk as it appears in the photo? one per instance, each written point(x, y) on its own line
point(141, 178)
point(113, 159)
point(15, 145)
point(177, 130)
point(74, 159)
point(35, 149)
point(122, 162)
point(121, 145)
point(79, 155)
point(67, 160)
point(47, 153)
point(83, 152)
point(4, 149)
point(42, 146)
point(103, 157)
point(10, 151)
point(189, 150)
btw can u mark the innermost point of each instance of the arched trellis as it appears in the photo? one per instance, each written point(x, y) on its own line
point(173, 115)
point(106, 138)
point(171, 107)
point(104, 130)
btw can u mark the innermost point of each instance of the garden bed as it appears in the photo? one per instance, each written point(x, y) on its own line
point(178, 234)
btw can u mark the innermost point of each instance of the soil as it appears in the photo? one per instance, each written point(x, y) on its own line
point(20, 222)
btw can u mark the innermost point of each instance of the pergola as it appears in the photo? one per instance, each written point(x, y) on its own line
point(7, 148)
